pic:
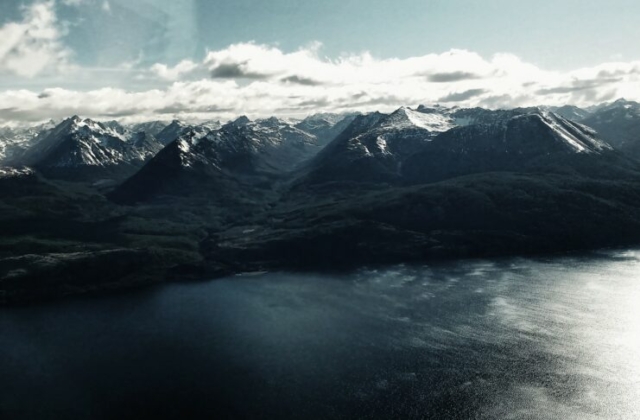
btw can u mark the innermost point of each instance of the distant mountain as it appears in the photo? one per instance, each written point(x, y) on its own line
point(210, 125)
point(486, 117)
point(468, 183)
point(433, 144)
point(152, 127)
point(14, 141)
point(534, 139)
point(373, 147)
point(619, 124)
point(172, 132)
point(571, 112)
point(326, 127)
point(414, 185)
point(80, 149)
point(177, 128)
point(242, 152)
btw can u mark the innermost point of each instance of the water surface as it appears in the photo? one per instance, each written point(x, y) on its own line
point(518, 338)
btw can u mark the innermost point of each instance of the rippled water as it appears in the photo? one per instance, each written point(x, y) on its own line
point(521, 339)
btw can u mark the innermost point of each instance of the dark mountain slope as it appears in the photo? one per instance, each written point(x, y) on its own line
point(532, 141)
point(619, 124)
point(232, 163)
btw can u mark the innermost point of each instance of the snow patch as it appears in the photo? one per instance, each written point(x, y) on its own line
point(7, 172)
point(558, 127)
point(407, 118)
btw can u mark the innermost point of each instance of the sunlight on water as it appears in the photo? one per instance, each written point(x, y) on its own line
point(586, 317)
point(510, 339)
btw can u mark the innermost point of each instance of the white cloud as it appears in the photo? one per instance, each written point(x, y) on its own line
point(106, 6)
point(32, 46)
point(253, 61)
point(72, 2)
point(173, 73)
point(260, 80)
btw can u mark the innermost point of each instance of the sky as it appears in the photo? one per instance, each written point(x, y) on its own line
point(140, 60)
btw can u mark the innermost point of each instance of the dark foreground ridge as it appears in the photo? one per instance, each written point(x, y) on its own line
point(89, 207)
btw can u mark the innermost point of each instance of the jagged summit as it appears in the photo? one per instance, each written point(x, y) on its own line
point(77, 144)
point(171, 132)
point(271, 122)
point(373, 146)
point(339, 143)
point(14, 141)
point(240, 121)
point(249, 153)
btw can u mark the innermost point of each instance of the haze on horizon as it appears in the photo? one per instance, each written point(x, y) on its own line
point(197, 59)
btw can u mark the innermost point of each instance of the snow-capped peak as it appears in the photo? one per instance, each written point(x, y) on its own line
point(407, 118)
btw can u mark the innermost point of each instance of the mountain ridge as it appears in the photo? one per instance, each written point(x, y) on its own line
point(418, 184)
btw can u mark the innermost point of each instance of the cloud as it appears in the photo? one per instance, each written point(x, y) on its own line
point(580, 85)
point(300, 81)
point(305, 66)
point(33, 46)
point(462, 96)
point(72, 2)
point(455, 76)
point(173, 73)
point(260, 81)
point(235, 71)
point(253, 61)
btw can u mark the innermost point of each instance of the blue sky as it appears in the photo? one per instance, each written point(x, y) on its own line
point(555, 34)
point(558, 34)
point(513, 52)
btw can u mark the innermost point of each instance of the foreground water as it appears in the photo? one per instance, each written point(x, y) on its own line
point(521, 339)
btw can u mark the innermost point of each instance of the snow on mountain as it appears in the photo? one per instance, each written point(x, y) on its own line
point(10, 172)
point(449, 140)
point(406, 118)
point(619, 124)
point(241, 153)
point(571, 112)
point(326, 126)
point(177, 128)
point(618, 104)
point(525, 130)
point(210, 125)
point(487, 117)
point(357, 146)
point(275, 145)
point(373, 147)
point(143, 146)
point(14, 141)
point(532, 138)
point(580, 138)
point(172, 132)
point(83, 143)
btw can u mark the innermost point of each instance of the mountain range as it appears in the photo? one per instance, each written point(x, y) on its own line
point(91, 205)
point(86, 150)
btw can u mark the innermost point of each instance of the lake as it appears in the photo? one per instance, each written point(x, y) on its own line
point(486, 339)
